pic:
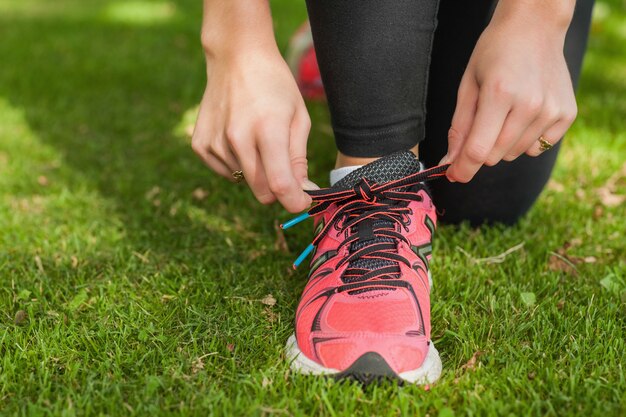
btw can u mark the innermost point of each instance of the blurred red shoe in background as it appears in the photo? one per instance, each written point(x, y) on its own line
point(303, 63)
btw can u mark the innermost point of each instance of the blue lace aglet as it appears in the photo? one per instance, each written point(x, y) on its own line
point(294, 221)
point(303, 255)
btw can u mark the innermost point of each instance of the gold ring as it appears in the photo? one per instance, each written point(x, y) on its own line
point(544, 145)
point(238, 176)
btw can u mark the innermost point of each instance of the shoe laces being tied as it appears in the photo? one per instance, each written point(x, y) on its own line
point(370, 211)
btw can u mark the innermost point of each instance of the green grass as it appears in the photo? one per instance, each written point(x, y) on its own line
point(143, 300)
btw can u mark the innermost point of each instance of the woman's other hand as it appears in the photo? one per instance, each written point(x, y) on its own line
point(516, 88)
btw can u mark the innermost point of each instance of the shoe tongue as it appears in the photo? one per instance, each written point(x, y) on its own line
point(388, 168)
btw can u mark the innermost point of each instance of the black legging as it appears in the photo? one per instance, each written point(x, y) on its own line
point(380, 58)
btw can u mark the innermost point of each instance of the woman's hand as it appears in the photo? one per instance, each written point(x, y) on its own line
point(515, 89)
point(253, 118)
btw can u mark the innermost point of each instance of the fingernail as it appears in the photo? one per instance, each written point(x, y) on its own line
point(444, 160)
point(307, 184)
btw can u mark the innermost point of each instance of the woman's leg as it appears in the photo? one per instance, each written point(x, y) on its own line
point(374, 57)
point(505, 192)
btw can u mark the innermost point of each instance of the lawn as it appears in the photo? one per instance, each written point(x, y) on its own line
point(133, 281)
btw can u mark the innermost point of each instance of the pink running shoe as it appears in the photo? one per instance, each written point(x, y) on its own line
point(365, 312)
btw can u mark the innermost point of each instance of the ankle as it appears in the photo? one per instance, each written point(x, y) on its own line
point(350, 161)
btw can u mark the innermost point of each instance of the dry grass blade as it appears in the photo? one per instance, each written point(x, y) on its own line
point(497, 259)
point(561, 263)
point(608, 192)
point(471, 363)
point(281, 243)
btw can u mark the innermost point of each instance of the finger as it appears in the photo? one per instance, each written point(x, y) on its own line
point(491, 113)
point(555, 133)
point(516, 123)
point(218, 166)
point(252, 167)
point(464, 114)
point(300, 128)
point(225, 154)
point(274, 150)
point(547, 118)
point(200, 133)
point(222, 162)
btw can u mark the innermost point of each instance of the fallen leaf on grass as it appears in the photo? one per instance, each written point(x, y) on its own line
point(598, 211)
point(609, 199)
point(555, 186)
point(24, 294)
point(243, 228)
point(254, 254)
point(270, 315)
point(198, 363)
point(200, 194)
point(590, 259)
point(78, 300)
point(608, 192)
point(39, 264)
point(143, 257)
point(609, 283)
point(560, 263)
point(153, 192)
point(446, 412)
point(274, 411)
point(21, 317)
point(269, 300)
point(497, 259)
point(175, 207)
point(528, 298)
point(166, 297)
point(281, 243)
point(572, 243)
point(197, 366)
point(470, 365)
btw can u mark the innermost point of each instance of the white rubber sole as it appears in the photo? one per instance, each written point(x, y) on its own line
point(428, 373)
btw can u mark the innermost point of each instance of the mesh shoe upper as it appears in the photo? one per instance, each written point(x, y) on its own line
point(368, 287)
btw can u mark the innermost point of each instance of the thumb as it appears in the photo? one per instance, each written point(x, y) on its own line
point(463, 118)
point(307, 184)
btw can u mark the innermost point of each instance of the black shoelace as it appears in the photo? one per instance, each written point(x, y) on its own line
point(371, 211)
